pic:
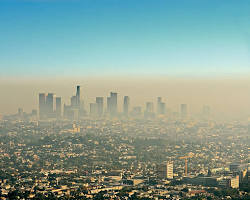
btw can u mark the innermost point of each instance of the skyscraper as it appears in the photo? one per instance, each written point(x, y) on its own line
point(75, 110)
point(78, 96)
point(112, 104)
point(126, 102)
point(73, 101)
point(50, 105)
point(160, 106)
point(58, 107)
point(149, 112)
point(42, 105)
point(149, 107)
point(108, 105)
point(99, 102)
point(113, 96)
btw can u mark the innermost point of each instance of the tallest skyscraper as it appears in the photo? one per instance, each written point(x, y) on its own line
point(75, 110)
point(78, 96)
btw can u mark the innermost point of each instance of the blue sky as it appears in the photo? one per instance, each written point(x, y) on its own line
point(124, 37)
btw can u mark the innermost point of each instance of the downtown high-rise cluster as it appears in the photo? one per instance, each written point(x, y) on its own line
point(51, 107)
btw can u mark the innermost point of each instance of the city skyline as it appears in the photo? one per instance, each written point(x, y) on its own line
point(194, 52)
point(196, 93)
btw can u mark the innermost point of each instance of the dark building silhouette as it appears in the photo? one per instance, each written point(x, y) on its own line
point(99, 102)
point(108, 105)
point(50, 105)
point(73, 101)
point(149, 112)
point(58, 107)
point(165, 170)
point(75, 110)
point(112, 104)
point(42, 105)
point(160, 106)
point(126, 102)
point(46, 106)
point(78, 96)
point(149, 107)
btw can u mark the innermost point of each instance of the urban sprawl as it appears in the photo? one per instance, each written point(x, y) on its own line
point(66, 152)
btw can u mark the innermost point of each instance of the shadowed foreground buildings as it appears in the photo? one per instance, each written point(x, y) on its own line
point(166, 170)
point(123, 159)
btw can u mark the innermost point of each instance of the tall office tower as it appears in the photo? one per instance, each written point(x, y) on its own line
point(113, 96)
point(166, 170)
point(113, 103)
point(99, 102)
point(73, 101)
point(149, 112)
point(160, 106)
point(74, 108)
point(58, 107)
point(78, 96)
point(163, 108)
point(50, 105)
point(93, 111)
point(42, 106)
point(183, 110)
point(149, 107)
point(126, 102)
point(108, 105)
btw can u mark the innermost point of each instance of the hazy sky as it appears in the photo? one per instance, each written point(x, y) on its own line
point(187, 51)
point(228, 97)
point(123, 37)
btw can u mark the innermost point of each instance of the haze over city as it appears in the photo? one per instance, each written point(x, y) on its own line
point(124, 99)
point(188, 52)
point(227, 97)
